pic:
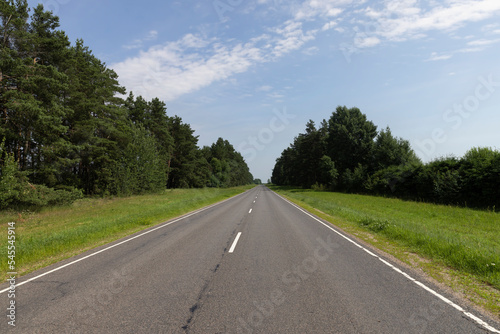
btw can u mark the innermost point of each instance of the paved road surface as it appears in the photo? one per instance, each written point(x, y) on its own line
point(252, 264)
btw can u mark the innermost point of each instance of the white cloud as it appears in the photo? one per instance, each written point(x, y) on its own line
point(265, 88)
point(483, 42)
point(311, 9)
point(171, 70)
point(468, 50)
point(311, 51)
point(152, 35)
point(193, 41)
point(366, 42)
point(435, 57)
point(329, 25)
point(474, 46)
point(195, 61)
point(276, 96)
point(136, 44)
point(400, 20)
point(291, 37)
point(491, 28)
point(139, 43)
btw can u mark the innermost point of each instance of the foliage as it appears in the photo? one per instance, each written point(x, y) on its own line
point(15, 190)
point(141, 168)
point(9, 183)
point(305, 162)
point(228, 167)
point(480, 176)
point(346, 153)
point(40, 195)
point(350, 138)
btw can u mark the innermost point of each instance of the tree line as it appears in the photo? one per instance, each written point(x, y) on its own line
point(65, 132)
point(347, 153)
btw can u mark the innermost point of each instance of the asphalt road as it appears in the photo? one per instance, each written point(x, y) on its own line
point(252, 264)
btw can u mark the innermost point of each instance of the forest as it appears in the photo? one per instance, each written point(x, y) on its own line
point(66, 133)
point(347, 153)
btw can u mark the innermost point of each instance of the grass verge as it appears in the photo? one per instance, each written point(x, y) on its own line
point(458, 247)
point(57, 233)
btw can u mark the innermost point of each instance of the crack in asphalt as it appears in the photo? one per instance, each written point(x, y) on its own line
point(197, 305)
point(203, 292)
point(199, 300)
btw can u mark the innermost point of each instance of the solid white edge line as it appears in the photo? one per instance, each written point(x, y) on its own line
point(423, 286)
point(162, 225)
point(233, 246)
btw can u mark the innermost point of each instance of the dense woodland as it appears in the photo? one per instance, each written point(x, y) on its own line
point(66, 133)
point(347, 153)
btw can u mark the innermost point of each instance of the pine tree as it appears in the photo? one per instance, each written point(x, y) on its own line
point(97, 121)
point(350, 138)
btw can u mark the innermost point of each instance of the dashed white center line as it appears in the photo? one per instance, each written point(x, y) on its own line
point(233, 246)
point(250, 211)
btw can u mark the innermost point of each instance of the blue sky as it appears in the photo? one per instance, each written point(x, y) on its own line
point(255, 71)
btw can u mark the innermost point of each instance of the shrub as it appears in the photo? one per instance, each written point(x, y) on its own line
point(40, 196)
point(16, 191)
point(374, 225)
point(9, 178)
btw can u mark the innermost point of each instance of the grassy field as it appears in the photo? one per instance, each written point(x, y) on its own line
point(462, 242)
point(53, 234)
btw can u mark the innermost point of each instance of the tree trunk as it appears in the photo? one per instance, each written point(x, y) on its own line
point(5, 30)
point(168, 169)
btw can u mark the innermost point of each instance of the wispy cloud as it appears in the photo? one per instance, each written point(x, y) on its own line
point(311, 51)
point(180, 67)
point(276, 95)
point(311, 9)
point(401, 20)
point(139, 43)
point(265, 88)
point(472, 46)
point(291, 37)
point(366, 41)
point(329, 25)
point(194, 61)
point(469, 50)
point(435, 57)
point(483, 42)
point(176, 68)
point(491, 28)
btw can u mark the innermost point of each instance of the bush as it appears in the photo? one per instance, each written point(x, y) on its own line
point(479, 170)
point(374, 225)
point(9, 178)
point(40, 196)
point(16, 191)
point(319, 187)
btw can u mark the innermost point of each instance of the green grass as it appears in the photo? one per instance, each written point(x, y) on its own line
point(53, 234)
point(459, 243)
